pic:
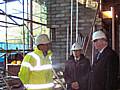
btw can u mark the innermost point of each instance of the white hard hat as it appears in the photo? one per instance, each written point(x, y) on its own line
point(76, 46)
point(98, 35)
point(42, 39)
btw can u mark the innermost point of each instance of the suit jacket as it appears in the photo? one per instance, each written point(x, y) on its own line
point(77, 71)
point(104, 72)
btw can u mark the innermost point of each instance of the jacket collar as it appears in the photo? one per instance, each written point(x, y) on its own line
point(40, 52)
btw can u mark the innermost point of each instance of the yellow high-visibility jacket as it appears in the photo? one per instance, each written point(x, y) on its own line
point(36, 71)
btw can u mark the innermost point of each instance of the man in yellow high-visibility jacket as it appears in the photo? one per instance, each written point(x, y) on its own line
point(36, 68)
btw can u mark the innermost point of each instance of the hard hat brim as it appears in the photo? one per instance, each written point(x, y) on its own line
point(44, 43)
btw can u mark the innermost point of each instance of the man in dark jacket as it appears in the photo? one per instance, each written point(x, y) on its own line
point(76, 70)
point(105, 66)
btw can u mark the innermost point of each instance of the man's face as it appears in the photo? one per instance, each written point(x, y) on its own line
point(99, 44)
point(44, 47)
point(76, 53)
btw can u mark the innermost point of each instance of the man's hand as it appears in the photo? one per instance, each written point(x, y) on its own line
point(75, 85)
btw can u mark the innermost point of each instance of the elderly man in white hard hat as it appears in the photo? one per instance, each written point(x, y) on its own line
point(36, 69)
point(76, 69)
point(105, 65)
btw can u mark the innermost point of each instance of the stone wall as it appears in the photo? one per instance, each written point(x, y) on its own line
point(59, 16)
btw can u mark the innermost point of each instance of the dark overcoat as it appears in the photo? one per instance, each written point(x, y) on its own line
point(104, 71)
point(77, 71)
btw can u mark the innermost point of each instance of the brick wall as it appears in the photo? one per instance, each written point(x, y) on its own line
point(59, 15)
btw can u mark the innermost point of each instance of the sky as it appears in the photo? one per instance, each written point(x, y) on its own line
point(13, 8)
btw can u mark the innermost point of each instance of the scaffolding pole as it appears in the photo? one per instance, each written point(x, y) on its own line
point(6, 37)
point(71, 24)
point(28, 42)
point(67, 46)
point(31, 25)
point(23, 31)
point(113, 28)
point(76, 20)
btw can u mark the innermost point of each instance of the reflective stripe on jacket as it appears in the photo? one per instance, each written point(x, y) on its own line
point(36, 71)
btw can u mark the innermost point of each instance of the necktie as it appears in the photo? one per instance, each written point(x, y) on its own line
point(98, 55)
